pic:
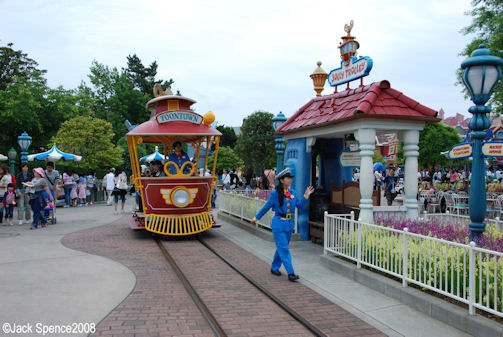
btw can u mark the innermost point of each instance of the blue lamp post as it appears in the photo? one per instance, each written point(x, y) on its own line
point(12, 154)
point(277, 121)
point(24, 142)
point(481, 72)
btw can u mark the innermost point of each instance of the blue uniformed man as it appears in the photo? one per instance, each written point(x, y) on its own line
point(179, 157)
point(283, 201)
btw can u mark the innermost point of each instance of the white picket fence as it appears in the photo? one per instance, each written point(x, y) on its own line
point(466, 273)
point(244, 206)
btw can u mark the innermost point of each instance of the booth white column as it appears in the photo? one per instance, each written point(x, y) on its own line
point(366, 138)
point(410, 147)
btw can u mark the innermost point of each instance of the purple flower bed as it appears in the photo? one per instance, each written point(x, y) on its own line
point(491, 239)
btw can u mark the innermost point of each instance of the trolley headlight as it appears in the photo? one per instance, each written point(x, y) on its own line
point(181, 197)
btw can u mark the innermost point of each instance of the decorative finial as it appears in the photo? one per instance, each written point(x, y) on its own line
point(319, 76)
point(349, 45)
point(348, 28)
point(158, 91)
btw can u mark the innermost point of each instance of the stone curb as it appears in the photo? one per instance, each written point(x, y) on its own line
point(438, 309)
point(257, 231)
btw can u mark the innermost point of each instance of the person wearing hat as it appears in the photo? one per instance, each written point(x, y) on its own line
point(283, 201)
point(156, 169)
point(179, 158)
point(38, 185)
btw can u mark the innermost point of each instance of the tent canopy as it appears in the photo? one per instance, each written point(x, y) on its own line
point(54, 154)
point(154, 156)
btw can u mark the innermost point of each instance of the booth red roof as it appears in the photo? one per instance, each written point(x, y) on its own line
point(376, 100)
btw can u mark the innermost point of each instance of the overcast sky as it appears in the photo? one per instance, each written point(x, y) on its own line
point(235, 57)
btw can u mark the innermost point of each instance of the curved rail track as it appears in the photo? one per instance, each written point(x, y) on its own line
point(212, 321)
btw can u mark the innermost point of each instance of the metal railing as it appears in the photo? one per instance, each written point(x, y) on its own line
point(244, 206)
point(465, 273)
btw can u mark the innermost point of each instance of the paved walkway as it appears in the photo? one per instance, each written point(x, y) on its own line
point(41, 281)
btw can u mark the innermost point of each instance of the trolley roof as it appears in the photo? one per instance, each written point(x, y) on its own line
point(172, 117)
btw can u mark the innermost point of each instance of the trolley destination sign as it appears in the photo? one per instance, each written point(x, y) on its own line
point(180, 116)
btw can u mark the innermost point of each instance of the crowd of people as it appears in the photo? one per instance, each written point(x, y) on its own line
point(35, 192)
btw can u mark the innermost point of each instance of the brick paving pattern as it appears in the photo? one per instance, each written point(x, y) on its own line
point(160, 306)
point(319, 311)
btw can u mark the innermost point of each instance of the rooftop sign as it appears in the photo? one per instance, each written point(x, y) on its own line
point(352, 68)
point(356, 69)
point(179, 116)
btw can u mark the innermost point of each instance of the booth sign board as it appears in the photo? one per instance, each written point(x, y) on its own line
point(459, 151)
point(180, 116)
point(492, 149)
point(350, 158)
point(354, 70)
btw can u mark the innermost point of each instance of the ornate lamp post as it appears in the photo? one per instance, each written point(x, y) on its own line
point(24, 142)
point(12, 154)
point(482, 71)
point(277, 121)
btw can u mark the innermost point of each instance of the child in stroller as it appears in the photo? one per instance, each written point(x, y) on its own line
point(50, 208)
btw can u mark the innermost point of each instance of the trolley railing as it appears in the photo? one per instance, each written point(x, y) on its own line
point(465, 273)
point(244, 206)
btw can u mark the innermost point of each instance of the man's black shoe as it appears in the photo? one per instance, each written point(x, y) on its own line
point(276, 272)
point(293, 277)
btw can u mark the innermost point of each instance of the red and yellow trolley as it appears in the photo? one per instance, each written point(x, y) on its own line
point(178, 203)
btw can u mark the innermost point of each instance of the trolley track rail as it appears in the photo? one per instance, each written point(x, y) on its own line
point(215, 326)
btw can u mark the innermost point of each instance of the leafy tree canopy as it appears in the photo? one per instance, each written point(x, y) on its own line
point(226, 159)
point(255, 145)
point(433, 139)
point(143, 77)
point(121, 95)
point(228, 137)
point(487, 28)
point(15, 63)
point(90, 138)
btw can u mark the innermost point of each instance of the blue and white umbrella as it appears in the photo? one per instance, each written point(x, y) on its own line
point(54, 154)
point(154, 156)
point(378, 167)
point(3, 158)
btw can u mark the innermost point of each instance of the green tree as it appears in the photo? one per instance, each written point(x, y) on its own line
point(228, 137)
point(226, 159)
point(29, 105)
point(143, 77)
point(377, 157)
point(487, 26)
point(90, 138)
point(433, 139)
point(15, 63)
point(255, 145)
point(117, 96)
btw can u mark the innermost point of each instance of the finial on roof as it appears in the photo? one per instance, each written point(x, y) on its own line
point(158, 91)
point(319, 76)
